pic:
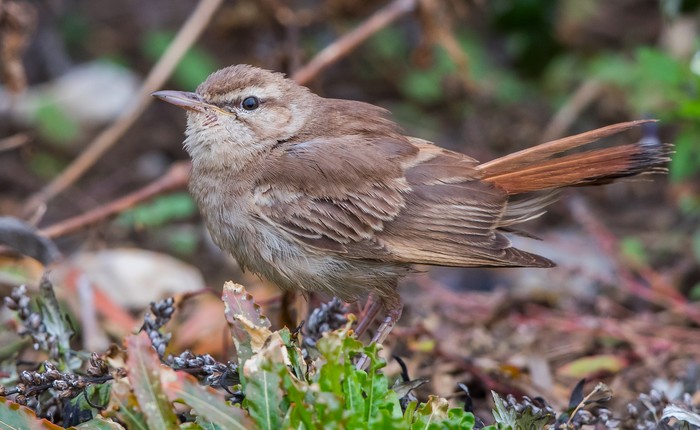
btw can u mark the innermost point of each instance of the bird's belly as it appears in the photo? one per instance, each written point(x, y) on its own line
point(264, 250)
point(261, 249)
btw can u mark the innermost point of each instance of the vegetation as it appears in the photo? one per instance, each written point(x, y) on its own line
point(474, 349)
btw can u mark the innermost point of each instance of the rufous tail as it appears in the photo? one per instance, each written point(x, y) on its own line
point(543, 167)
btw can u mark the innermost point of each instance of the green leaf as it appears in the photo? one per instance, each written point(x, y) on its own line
point(336, 374)
point(263, 394)
point(694, 293)
point(297, 362)
point(144, 367)
point(183, 241)
point(659, 67)
point(633, 249)
point(376, 385)
point(45, 164)
point(389, 43)
point(54, 123)
point(14, 416)
point(298, 414)
point(204, 401)
point(75, 30)
point(161, 210)
point(98, 395)
point(504, 416)
point(458, 418)
point(526, 418)
point(422, 86)
point(425, 86)
point(203, 424)
point(613, 69)
point(263, 382)
point(429, 413)
point(100, 423)
point(689, 109)
point(57, 325)
point(502, 83)
point(352, 389)
point(686, 161)
point(586, 366)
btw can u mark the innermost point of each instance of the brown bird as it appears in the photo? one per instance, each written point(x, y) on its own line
point(329, 195)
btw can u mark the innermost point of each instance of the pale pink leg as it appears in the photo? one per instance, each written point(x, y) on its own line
point(372, 310)
point(392, 316)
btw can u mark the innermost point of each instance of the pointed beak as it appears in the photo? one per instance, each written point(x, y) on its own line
point(183, 99)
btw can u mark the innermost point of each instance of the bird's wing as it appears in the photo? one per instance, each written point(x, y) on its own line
point(390, 199)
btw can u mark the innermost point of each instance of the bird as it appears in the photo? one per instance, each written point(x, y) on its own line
point(328, 195)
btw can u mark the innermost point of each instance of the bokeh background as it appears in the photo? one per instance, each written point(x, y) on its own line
point(482, 77)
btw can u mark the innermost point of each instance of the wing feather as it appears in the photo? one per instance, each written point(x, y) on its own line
point(394, 200)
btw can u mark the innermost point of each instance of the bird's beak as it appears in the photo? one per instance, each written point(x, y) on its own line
point(183, 99)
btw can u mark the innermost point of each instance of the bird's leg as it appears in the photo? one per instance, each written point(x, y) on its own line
point(373, 308)
point(392, 316)
point(393, 307)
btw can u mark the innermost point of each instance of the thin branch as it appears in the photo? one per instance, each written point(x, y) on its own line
point(438, 28)
point(341, 47)
point(184, 39)
point(584, 95)
point(178, 174)
point(657, 292)
point(175, 178)
point(14, 141)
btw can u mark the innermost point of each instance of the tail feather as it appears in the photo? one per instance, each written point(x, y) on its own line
point(537, 168)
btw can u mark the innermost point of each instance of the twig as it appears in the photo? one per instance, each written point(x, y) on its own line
point(583, 403)
point(184, 39)
point(92, 337)
point(567, 114)
point(175, 178)
point(659, 293)
point(13, 141)
point(640, 331)
point(438, 27)
point(336, 50)
point(159, 73)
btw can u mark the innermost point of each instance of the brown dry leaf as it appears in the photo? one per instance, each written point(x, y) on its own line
point(199, 332)
point(17, 23)
point(249, 327)
point(21, 270)
point(133, 277)
point(15, 416)
point(274, 351)
point(78, 291)
point(591, 365)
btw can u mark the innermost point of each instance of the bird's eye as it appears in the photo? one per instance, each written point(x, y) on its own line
point(250, 103)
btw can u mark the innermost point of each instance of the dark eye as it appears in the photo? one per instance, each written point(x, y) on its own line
point(250, 103)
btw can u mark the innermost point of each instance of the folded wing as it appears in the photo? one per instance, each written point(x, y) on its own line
point(394, 200)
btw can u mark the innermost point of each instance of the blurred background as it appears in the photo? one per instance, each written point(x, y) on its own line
point(482, 77)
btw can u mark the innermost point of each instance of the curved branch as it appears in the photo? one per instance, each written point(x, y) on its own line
point(338, 49)
point(160, 72)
